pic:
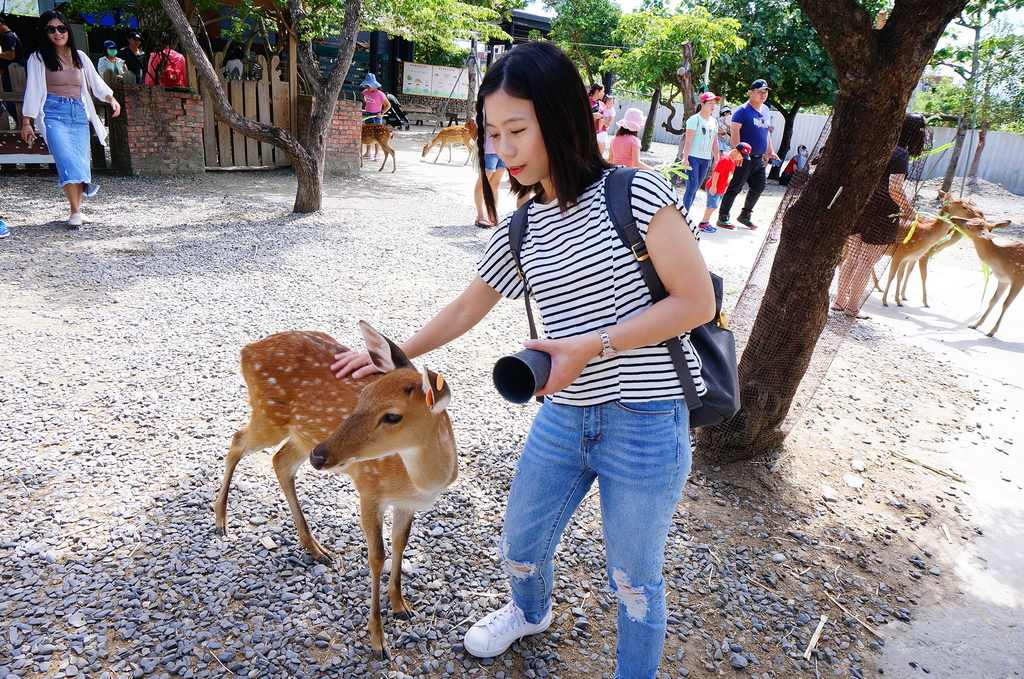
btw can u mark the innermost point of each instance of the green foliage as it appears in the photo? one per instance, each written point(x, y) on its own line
point(989, 89)
point(651, 44)
point(782, 47)
point(428, 53)
point(580, 24)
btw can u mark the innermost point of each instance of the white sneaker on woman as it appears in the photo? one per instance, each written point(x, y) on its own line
point(76, 220)
point(494, 633)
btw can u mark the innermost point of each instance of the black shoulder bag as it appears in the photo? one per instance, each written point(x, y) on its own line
point(714, 345)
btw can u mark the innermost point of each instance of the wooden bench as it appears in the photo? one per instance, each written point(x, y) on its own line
point(420, 114)
point(14, 150)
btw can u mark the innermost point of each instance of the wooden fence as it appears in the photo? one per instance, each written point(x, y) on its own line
point(265, 98)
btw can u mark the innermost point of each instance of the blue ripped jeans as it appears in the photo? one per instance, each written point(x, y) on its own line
point(640, 455)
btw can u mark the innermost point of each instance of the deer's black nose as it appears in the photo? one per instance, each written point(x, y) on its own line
point(318, 457)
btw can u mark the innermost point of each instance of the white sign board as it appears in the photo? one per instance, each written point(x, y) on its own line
point(435, 81)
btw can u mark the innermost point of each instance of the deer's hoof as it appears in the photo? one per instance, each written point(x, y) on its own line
point(973, 327)
point(221, 530)
point(884, 303)
point(404, 615)
point(989, 334)
point(382, 653)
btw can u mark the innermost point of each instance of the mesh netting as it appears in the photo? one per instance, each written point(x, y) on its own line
point(867, 252)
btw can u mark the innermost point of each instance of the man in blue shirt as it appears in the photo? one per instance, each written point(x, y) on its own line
point(751, 123)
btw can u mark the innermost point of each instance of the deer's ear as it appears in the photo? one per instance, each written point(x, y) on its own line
point(435, 390)
point(1001, 225)
point(384, 353)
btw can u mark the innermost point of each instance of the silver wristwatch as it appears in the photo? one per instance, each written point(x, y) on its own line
point(607, 351)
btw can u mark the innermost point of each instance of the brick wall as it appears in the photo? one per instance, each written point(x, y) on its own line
point(159, 132)
point(343, 136)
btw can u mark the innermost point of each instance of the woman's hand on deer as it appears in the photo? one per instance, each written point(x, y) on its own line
point(569, 356)
point(354, 363)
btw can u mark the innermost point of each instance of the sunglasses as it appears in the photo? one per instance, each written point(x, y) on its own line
point(56, 29)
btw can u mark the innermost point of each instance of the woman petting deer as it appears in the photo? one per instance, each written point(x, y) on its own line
point(599, 420)
point(883, 222)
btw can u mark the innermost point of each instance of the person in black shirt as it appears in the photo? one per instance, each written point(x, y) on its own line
point(134, 57)
point(11, 52)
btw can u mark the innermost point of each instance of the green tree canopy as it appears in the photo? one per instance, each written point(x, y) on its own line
point(650, 53)
point(784, 49)
point(583, 29)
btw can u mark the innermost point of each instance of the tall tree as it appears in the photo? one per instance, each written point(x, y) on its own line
point(652, 50)
point(967, 63)
point(877, 70)
point(437, 20)
point(583, 29)
point(783, 47)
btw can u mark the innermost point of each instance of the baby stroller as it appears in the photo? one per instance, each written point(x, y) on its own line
point(395, 117)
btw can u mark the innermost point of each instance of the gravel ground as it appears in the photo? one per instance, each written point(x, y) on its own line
point(120, 389)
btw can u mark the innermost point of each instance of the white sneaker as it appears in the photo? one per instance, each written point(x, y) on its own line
point(75, 221)
point(494, 633)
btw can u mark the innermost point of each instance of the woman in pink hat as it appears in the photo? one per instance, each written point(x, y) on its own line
point(698, 148)
point(625, 147)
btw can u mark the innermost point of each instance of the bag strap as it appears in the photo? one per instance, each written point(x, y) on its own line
point(616, 195)
point(516, 233)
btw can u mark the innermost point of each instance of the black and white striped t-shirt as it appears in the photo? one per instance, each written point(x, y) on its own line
point(585, 279)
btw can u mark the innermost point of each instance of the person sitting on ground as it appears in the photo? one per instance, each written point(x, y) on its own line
point(112, 64)
point(718, 182)
point(625, 147)
point(796, 163)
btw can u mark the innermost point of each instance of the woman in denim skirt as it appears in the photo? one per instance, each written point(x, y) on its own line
point(614, 410)
point(59, 78)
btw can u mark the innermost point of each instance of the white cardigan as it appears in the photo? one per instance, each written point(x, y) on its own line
point(35, 93)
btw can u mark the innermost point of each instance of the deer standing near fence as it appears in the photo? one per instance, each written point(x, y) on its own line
point(456, 134)
point(375, 133)
point(1005, 260)
point(389, 432)
point(921, 247)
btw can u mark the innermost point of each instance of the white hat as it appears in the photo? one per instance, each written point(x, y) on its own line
point(633, 119)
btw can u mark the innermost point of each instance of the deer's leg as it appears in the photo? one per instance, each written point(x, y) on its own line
point(902, 280)
point(439, 149)
point(372, 515)
point(894, 265)
point(245, 441)
point(922, 266)
point(1014, 289)
point(1000, 286)
point(286, 464)
point(401, 525)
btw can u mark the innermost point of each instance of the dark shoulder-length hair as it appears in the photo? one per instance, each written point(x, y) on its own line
point(912, 136)
point(544, 75)
point(46, 49)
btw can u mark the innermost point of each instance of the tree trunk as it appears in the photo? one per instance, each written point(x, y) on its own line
point(958, 146)
point(648, 136)
point(865, 128)
point(973, 172)
point(787, 137)
point(307, 157)
point(689, 97)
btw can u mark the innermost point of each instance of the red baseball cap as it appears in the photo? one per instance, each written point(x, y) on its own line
point(709, 96)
